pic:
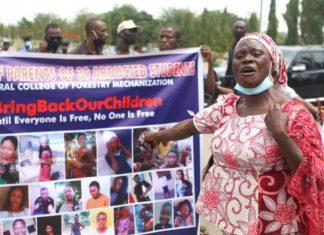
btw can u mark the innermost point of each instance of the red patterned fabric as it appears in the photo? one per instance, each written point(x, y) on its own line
point(307, 184)
point(246, 190)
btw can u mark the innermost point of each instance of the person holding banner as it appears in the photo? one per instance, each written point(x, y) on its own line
point(266, 148)
point(52, 39)
point(170, 39)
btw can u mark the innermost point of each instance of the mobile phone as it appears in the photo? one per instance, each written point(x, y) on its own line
point(95, 34)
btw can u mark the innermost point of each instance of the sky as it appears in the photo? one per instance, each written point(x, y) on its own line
point(13, 10)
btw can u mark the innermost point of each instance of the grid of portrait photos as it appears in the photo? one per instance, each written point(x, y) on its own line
point(108, 181)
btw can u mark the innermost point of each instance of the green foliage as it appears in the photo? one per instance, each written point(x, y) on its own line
point(312, 21)
point(291, 17)
point(211, 27)
point(254, 23)
point(272, 30)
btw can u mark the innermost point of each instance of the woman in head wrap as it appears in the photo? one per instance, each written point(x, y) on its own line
point(267, 173)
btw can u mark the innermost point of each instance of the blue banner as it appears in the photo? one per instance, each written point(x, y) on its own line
point(67, 118)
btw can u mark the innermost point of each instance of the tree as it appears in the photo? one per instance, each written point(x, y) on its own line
point(25, 27)
point(116, 16)
point(76, 29)
point(253, 23)
point(291, 17)
point(41, 21)
point(272, 30)
point(312, 21)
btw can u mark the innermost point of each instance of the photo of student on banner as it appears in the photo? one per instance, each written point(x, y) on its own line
point(9, 173)
point(45, 152)
point(102, 222)
point(163, 215)
point(76, 224)
point(14, 201)
point(144, 217)
point(94, 192)
point(172, 160)
point(164, 182)
point(119, 190)
point(41, 199)
point(183, 185)
point(80, 154)
point(68, 196)
point(49, 225)
point(183, 213)
point(162, 150)
point(114, 152)
point(143, 153)
point(124, 220)
point(26, 226)
point(171, 154)
point(142, 187)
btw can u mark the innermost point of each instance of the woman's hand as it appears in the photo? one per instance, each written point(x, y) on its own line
point(276, 120)
point(150, 139)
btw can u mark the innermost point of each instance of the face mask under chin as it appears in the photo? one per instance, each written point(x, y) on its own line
point(266, 84)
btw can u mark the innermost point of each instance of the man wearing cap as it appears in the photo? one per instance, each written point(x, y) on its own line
point(97, 34)
point(127, 32)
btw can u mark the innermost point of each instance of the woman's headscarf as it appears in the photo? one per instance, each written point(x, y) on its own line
point(278, 64)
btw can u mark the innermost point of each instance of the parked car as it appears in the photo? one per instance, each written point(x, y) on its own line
point(305, 69)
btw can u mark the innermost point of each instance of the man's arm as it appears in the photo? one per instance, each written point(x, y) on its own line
point(211, 79)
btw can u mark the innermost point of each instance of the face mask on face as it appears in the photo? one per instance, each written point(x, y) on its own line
point(53, 43)
point(266, 84)
point(238, 34)
point(28, 45)
point(130, 38)
point(99, 42)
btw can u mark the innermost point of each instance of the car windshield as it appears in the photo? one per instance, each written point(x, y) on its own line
point(288, 54)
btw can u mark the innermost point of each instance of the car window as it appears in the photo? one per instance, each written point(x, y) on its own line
point(318, 59)
point(288, 55)
point(303, 58)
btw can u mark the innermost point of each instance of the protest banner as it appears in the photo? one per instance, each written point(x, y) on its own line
point(72, 149)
